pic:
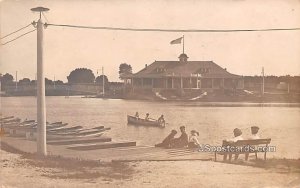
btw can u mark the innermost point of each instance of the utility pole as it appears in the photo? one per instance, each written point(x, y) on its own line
point(41, 104)
point(103, 81)
point(16, 80)
point(54, 82)
point(263, 81)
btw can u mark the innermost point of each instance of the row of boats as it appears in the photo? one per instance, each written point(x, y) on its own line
point(28, 128)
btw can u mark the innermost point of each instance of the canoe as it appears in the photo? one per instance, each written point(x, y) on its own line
point(138, 121)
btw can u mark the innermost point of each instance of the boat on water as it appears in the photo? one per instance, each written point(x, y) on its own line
point(138, 121)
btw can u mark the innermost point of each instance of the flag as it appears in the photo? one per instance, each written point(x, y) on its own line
point(176, 41)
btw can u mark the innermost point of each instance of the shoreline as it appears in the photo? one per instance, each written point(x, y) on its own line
point(177, 101)
point(20, 168)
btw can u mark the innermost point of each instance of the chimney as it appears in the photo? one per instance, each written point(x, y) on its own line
point(146, 65)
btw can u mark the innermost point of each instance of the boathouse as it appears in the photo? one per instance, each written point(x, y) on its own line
point(183, 74)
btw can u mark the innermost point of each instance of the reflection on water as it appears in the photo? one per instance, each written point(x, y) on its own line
point(214, 121)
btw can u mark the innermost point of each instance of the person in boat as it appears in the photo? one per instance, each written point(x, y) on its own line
point(161, 120)
point(181, 141)
point(147, 117)
point(254, 133)
point(193, 141)
point(137, 116)
point(167, 141)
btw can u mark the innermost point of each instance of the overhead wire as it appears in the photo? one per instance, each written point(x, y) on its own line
point(16, 31)
point(19, 37)
point(171, 30)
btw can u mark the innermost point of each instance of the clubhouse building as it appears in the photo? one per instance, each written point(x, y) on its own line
point(183, 74)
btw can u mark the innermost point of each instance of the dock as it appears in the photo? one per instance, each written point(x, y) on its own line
point(99, 148)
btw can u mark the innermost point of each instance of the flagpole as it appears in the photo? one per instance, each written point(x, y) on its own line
point(183, 44)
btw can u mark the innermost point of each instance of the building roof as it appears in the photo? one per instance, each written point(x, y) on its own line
point(205, 69)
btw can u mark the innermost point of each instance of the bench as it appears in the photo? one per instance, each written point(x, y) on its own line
point(244, 147)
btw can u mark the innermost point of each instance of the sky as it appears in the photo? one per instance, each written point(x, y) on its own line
point(242, 53)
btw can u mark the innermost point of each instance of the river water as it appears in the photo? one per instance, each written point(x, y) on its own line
point(214, 121)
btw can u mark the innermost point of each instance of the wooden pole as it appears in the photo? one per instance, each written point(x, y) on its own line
point(41, 104)
point(103, 81)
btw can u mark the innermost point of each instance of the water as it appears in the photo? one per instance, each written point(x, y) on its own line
point(214, 121)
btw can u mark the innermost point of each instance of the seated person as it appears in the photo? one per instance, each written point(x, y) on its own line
point(193, 141)
point(161, 119)
point(147, 117)
point(137, 116)
point(237, 136)
point(254, 133)
point(167, 141)
point(181, 141)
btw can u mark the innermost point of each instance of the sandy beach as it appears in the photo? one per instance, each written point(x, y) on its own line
point(24, 170)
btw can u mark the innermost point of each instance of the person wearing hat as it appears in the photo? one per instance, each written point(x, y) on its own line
point(193, 141)
point(254, 133)
point(237, 135)
point(167, 141)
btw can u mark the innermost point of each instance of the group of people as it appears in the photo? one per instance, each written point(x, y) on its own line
point(161, 119)
point(182, 141)
point(237, 133)
point(192, 141)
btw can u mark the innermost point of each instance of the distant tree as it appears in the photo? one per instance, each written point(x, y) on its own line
point(99, 79)
point(24, 81)
point(124, 68)
point(33, 82)
point(81, 75)
point(48, 81)
point(6, 78)
point(59, 82)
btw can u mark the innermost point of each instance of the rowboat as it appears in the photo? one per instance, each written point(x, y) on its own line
point(138, 121)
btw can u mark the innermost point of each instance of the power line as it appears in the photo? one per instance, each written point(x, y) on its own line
point(172, 30)
point(16, 31)
point(45, 17)
point(18, 37)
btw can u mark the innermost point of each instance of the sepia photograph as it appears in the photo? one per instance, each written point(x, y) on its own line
point(149, 94)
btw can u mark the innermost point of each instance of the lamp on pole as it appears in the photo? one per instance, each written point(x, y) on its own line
point(41, 104)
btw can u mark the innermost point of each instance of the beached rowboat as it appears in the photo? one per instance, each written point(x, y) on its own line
point(138, 121)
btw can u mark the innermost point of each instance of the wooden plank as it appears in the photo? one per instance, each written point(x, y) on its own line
point(102, 146)
point(79, 141)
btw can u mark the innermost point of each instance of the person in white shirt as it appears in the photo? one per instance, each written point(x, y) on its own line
point(237, 136)
point(254, 136)
point(254, 133)
point(193, 141)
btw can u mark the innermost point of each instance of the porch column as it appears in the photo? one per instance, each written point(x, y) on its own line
point(142, 82)
point(172, 83)
point(190, 82)
point(223, 83)
point(152, 83)
point(166, 83)
point(181, 83)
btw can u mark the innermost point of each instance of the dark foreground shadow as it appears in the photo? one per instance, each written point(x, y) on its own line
point(72, 168)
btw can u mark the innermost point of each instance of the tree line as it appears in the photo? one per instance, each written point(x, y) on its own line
point(79, 75)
